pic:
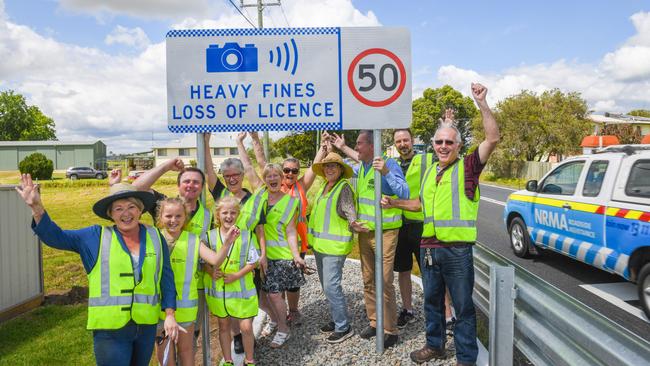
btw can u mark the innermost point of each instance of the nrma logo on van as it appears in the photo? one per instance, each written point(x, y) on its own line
point(553, 219)
point(231, 58)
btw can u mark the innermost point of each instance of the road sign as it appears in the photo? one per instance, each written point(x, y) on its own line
point(288, 79)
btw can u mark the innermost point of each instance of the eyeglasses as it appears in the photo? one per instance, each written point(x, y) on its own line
point(289, 170)
point(231, 176)
point(446, 142)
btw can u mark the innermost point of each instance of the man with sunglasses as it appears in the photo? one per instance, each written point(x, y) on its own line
point(449, 199)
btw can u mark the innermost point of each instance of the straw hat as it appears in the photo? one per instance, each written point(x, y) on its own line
point(119, 191)
point(332, 158)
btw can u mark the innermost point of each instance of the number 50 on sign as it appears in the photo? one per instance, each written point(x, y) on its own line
point(288, 79)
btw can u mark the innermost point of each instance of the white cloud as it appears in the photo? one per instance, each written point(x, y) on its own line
point(132, 37)
point(139, 8)
point(121, 99)
point(618, 83)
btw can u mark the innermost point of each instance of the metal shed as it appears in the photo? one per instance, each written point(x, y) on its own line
point(21, 271)
point(63, 154)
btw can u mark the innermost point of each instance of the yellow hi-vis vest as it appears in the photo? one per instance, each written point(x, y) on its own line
point(184, 260)
point(200, 222)
point(113, 296)
point(237, 299)
point(414, 176)
point(448, 214)
point(328, 232)
point(275, 228)
point(391, 218)
point(249, 213)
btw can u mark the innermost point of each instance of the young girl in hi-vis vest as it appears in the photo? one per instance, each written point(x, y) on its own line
point(185, 248)
point(230, 292)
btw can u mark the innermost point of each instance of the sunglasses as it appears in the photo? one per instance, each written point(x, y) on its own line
point(446, 142)
point(289, 170)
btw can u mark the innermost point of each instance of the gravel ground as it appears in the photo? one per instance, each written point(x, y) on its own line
point(307, 346)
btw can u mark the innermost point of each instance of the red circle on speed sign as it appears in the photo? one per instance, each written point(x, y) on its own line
point(400, 88)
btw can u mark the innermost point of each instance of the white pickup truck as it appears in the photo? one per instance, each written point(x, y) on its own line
point(593, 208)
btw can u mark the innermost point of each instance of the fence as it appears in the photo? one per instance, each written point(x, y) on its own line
point(21, 275)
point(551, 327)
point(520, 169)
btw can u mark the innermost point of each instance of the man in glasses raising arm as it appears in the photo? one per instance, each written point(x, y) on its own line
point(449, 199)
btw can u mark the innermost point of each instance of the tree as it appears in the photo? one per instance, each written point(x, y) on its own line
point(302, 145)
point(20, 122)
point(626, 133)
point(534, 127)
point(640, 113)
point(428, 109)
point(37, 165)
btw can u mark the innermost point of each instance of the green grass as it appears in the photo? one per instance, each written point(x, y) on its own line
point(49, 335)
point(516, 183)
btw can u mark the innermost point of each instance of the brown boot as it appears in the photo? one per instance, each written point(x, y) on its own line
point(427, 353)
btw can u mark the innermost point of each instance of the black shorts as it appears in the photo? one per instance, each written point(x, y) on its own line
point(408, 245)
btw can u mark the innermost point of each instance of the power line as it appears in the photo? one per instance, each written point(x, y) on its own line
point(284, 15)
point(242, 14)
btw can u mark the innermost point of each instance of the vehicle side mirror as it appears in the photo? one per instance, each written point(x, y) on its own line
point(531, 186)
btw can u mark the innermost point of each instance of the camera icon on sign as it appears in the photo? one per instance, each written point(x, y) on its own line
point(231, 58)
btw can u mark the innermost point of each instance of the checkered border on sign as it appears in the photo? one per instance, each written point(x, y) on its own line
point(250, 32)
point(257, 127)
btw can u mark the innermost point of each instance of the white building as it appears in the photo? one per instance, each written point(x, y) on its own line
point(221, 148)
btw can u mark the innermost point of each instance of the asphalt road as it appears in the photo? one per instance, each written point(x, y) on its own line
point(561, 271)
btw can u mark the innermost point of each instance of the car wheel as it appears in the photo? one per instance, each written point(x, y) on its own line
point(643, 283)
point(74, 177)
point(519, 238)
point(99, 176)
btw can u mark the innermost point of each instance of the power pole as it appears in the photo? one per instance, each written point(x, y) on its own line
point(260, 24)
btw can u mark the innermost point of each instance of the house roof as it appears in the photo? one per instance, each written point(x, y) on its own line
point(47, 143)
point(189, 141)
point(618, 119)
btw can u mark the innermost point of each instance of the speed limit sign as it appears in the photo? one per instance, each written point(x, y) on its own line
point(226, 80)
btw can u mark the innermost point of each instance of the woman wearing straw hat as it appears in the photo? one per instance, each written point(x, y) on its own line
point(129, 274)
point(333, 219)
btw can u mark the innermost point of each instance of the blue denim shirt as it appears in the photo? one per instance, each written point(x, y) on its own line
point(85, 242)
point(392, 183)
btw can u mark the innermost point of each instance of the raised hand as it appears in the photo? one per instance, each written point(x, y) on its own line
point(449, 115)
point(338, 141)
point(175, 164)
point(30, 192)
point(254, 135)
point(115, 176)
point(231, 235)
point(241, 137)
point(479, 92)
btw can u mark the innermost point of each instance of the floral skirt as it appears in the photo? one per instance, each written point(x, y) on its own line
point(282, 275)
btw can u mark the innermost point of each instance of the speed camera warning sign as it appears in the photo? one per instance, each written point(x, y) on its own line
point(288, 79)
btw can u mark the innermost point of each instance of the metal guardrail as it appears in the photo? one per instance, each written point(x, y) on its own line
point(551, 327)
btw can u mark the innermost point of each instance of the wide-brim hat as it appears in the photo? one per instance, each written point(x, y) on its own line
point(332, 158)
point(119, 191)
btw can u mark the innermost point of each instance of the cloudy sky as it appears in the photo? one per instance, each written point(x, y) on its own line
point(98, 67)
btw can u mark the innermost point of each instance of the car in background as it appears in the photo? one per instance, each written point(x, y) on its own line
point(592, 208)
point(134, 174)
point(75, 173)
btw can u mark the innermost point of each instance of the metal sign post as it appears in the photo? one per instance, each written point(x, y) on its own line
point(204, 313)
point(379, 251)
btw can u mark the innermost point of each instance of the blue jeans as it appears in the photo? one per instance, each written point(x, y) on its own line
point(452, 267)
point(129, 345)
point(330, 274)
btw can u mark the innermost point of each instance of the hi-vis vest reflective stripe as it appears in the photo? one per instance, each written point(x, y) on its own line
point(448, 214)
point(298, 192)
point(200, 222)
point(414, 176)
point(391, 218)
point(184, 260)
point(249, 214)
point(328, 232)
point(113, 296)
point(239, 298)
point(275, 228)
